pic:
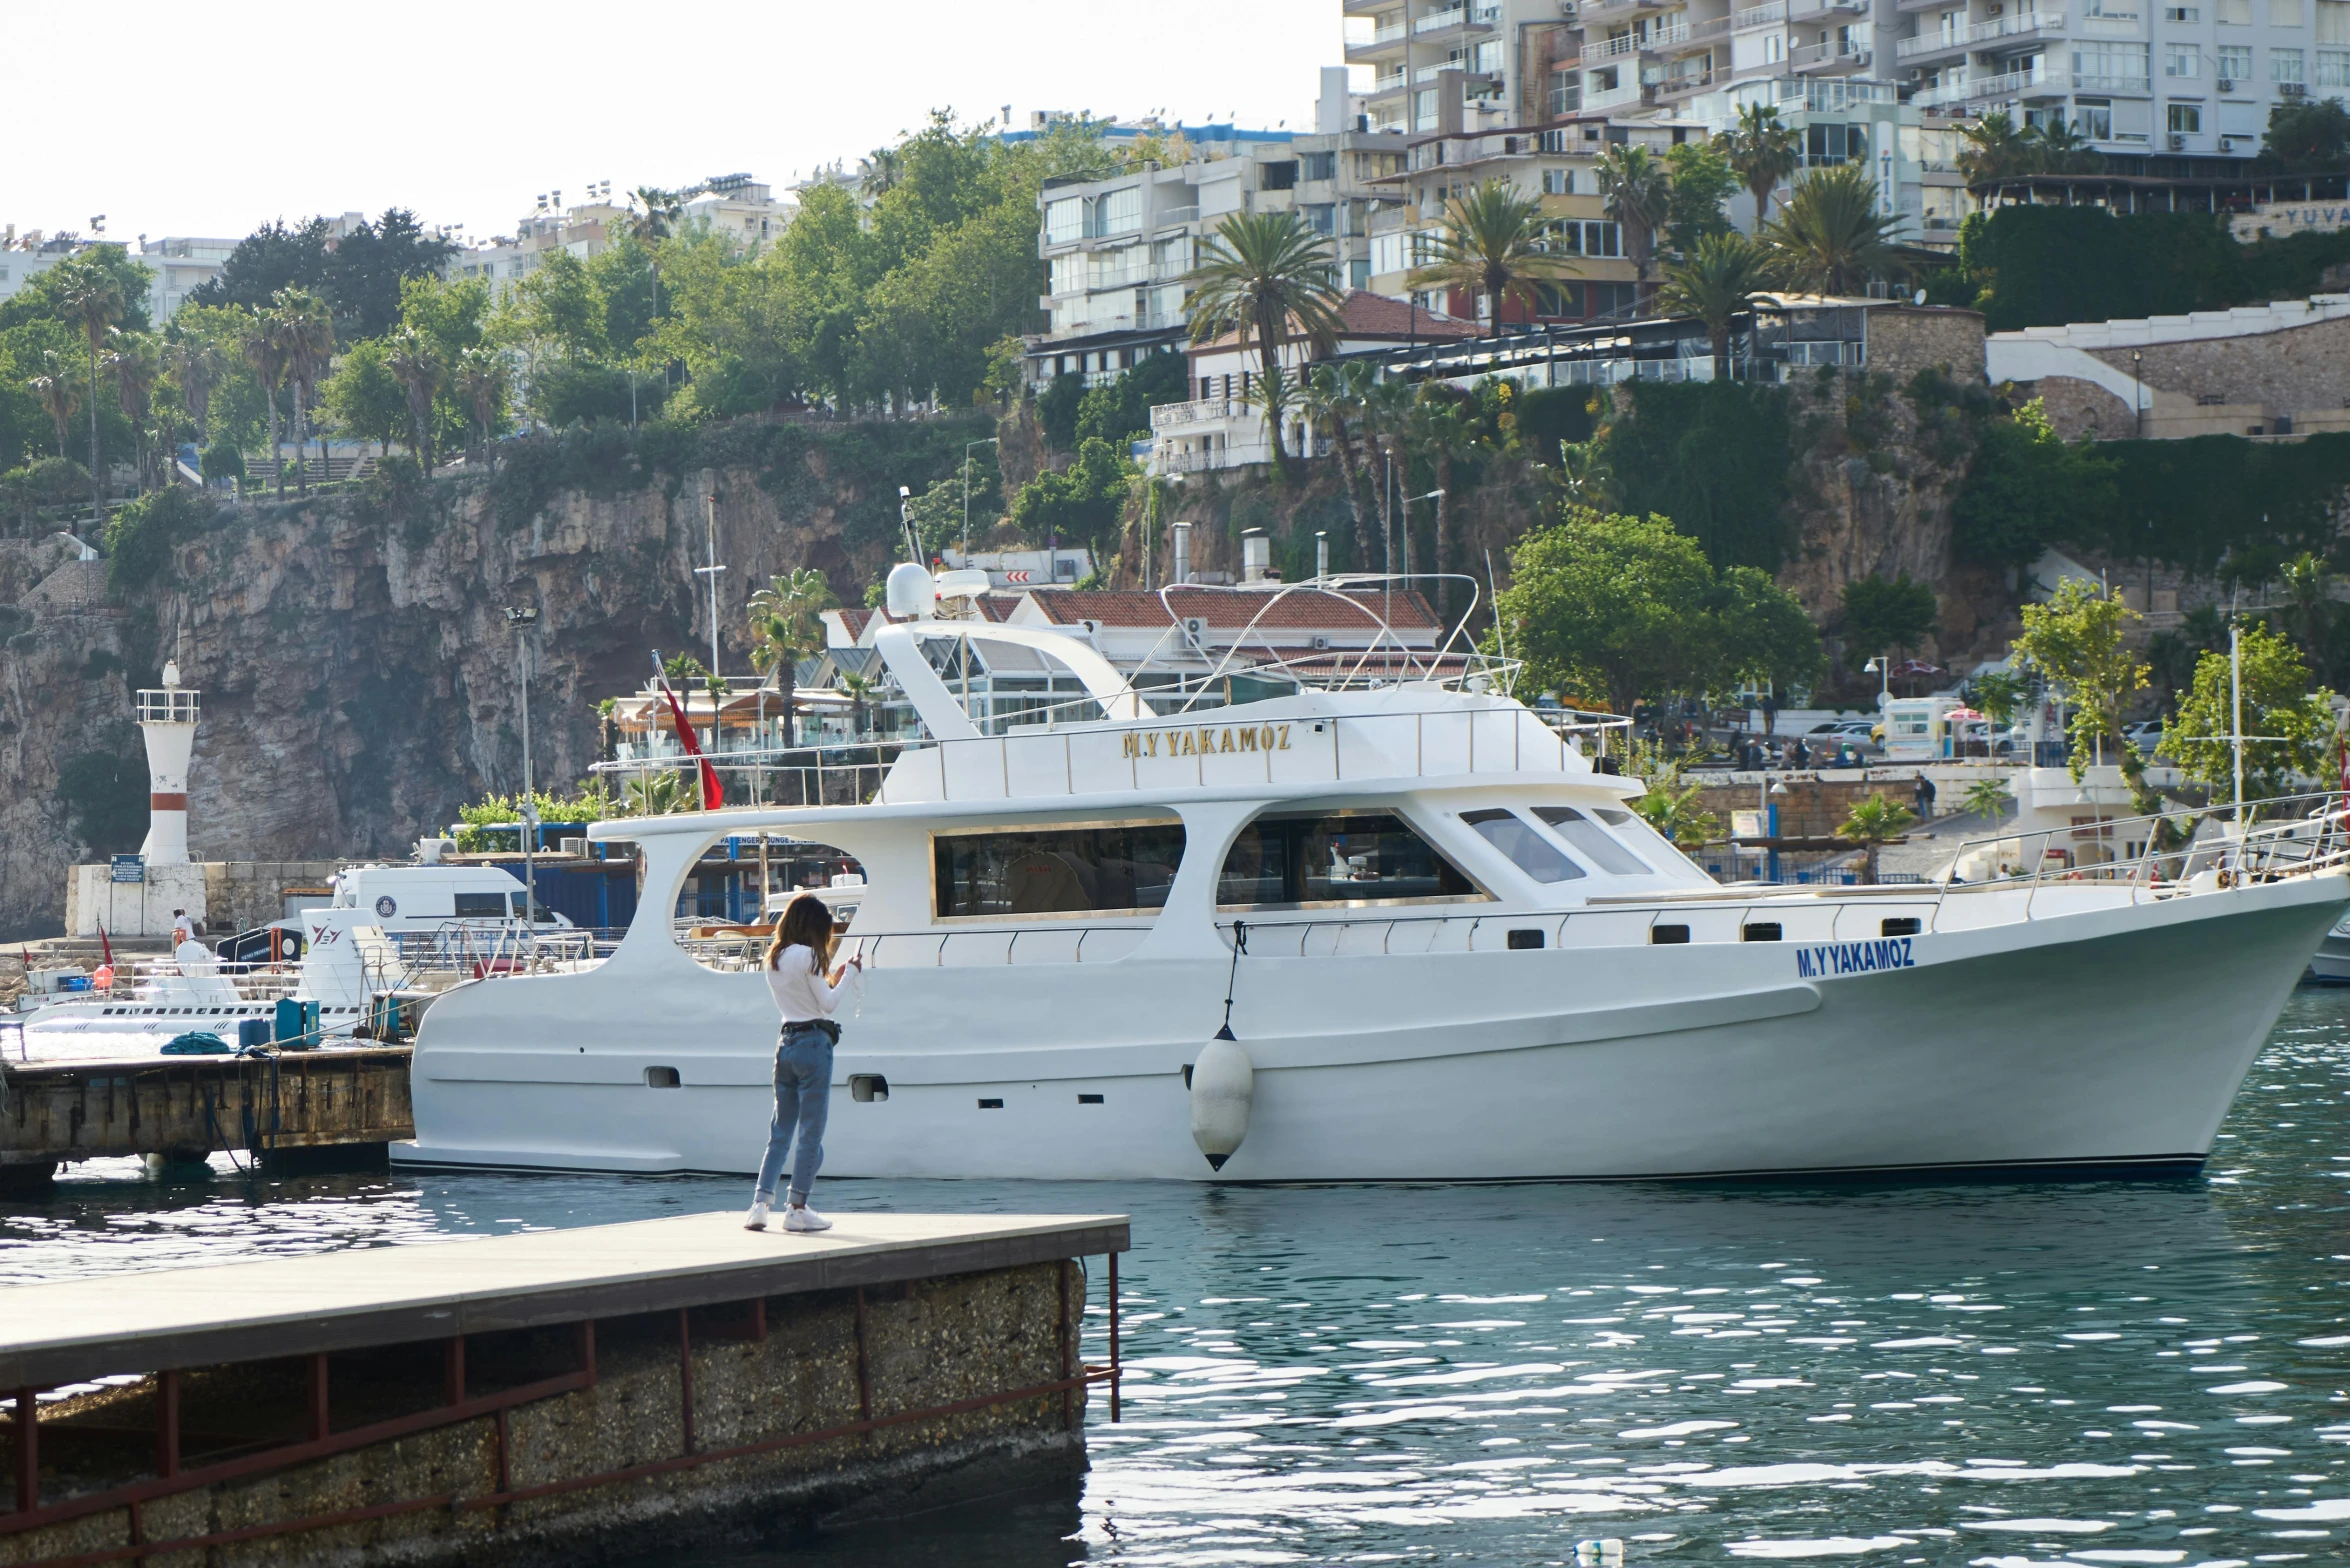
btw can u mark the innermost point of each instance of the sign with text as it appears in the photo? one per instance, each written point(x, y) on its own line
point(130, 868)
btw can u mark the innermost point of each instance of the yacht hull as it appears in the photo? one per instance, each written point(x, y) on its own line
point(2098, 1037)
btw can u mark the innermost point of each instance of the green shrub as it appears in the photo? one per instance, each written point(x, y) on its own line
point(140, 536)
point(105, 793)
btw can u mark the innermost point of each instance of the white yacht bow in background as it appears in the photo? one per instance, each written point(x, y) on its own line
point(1464, 958)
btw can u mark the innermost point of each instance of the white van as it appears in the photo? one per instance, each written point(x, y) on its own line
point(425, 898)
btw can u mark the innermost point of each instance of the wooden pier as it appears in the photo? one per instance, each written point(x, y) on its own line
point(285, 1110)
point(547, 1398)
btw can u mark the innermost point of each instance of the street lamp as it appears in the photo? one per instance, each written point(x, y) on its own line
point(2138, 393)
point(967, 446)
point(1882, 667)
point(521, 619)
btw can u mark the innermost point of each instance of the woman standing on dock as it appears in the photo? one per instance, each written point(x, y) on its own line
point(805, 994)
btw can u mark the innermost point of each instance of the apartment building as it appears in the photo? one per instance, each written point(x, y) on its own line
point(742, 209)
point(1116, 250)
point(1520, 67)
point(2133, 77)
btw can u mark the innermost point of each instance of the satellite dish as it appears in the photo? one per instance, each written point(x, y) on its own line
point(1921, 299)
point(911, 593)
point(968, 583)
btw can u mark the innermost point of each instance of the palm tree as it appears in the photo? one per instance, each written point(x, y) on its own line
point(1762, 152)
point(137, 365)
point(653, 215)
point(1335, 394)
point(1717, 285)
point(59, 389)
point(198, 367)
point(95, 297)
point(307, 330)
point(1872, 824)
point(1988, 799)
point(859, 690)
point(879, 172)
point(265, 352)
point(1274, 392)
point(1495, 244)
point(481, 381)
point(1265, 277)
point(1829, 237)
point(1676, 811)
point(1994, 149)
point(2058, 148)
point(415, 362)
point(1638, 190)
point(785, 629)
point(656, 795)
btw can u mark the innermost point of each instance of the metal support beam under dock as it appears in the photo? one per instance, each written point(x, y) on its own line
point(660, 1382)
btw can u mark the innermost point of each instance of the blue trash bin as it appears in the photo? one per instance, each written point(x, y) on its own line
point(252, 1032)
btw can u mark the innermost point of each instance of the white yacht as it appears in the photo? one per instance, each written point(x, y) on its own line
point(1464, 958)
point(388, 929)
point(2330, 964)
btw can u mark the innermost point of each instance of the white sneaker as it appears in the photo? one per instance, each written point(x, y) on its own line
point(758, 1219)
point(801, 1217)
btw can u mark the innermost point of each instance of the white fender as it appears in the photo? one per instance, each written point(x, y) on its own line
point(1223, 1080)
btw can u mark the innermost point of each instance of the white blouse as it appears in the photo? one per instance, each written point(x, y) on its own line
point(801, 995)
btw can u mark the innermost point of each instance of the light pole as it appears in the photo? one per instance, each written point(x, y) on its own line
point(1882, 667)
point(711, 571)
point(1406, 528)
point(521, 620)
point(967, 446)
point(2138, 393)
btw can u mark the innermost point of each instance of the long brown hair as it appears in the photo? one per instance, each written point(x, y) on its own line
point(806, 922)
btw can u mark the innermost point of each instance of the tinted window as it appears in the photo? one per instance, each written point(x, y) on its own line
point(1589, 837)
point(1060, 871)
point(1371, 858)
point(481, 906)
point(1528, 850)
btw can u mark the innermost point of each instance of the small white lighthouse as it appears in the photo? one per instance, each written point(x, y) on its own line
point(167, 717)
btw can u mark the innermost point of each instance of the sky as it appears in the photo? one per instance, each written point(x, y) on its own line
point(464, 113)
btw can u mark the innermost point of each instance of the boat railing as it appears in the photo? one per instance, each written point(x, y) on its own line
point(1223, 747)
point(476, 950)
point(2164, 854)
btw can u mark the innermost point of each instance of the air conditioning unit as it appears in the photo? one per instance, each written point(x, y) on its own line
point(2292, 89)
point(2178, 143)
point(2227, 84)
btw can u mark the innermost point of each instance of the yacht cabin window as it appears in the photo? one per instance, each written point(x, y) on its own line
point(481, 906)
point(1122, 869)
point(1528, 850)
point(1594, 841)
point(1347, 858)
point(1633, 828)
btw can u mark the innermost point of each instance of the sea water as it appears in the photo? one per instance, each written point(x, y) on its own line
point(2123, 1372)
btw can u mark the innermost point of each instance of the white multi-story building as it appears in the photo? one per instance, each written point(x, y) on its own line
point(2134, 77)
point(1116, 250)
point(178, 264)
point(745, 211)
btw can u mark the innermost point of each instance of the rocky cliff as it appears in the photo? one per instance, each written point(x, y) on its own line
point(358, 677)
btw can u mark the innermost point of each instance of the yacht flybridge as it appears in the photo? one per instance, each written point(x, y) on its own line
point(1446, 947)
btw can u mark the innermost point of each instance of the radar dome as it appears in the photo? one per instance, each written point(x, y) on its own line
point(912, 595)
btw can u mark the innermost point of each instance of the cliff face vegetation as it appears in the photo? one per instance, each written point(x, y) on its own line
point(358, 677)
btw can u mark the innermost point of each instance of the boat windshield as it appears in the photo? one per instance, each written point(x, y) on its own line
point(1594, 840)
point(1528, 850)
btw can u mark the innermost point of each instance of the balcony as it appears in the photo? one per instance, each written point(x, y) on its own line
point(1459, 16)
point(1929, 5)
point(1383, 42)
point(2010, 84)
point(1681, 85)
point(1596, 11)
point(2114, 86)
point(1712, 28)
point(1982, 35)
point(1171, 217)
point(1829, 59)
point(1808, 10)
point(1625, 45)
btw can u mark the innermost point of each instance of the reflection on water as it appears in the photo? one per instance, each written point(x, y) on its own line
point(2149, 1372)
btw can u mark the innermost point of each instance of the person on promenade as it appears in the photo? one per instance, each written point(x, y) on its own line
point(805, 994)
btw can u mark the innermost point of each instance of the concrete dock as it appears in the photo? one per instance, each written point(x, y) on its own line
point(286, 1110)
point(548, 1398)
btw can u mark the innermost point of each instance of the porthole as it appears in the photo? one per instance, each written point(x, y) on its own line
point(1521, 940)
point(662, 1078)
point(1668, 936)
point(991, 1105)
point(1089, 1099)
point(864, 1088)
point(1901, 925)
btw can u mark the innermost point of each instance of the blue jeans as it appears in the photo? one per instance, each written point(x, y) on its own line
point(803, 1097)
